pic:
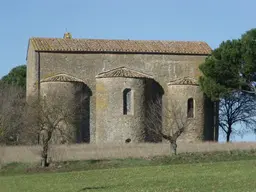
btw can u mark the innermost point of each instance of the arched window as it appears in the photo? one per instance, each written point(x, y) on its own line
point(190, 111)
point(127, 101)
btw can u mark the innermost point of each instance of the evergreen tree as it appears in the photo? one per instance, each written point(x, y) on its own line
point(229, 76)
point(17, 76)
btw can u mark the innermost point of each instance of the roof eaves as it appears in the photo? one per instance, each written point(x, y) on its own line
point(121, 46)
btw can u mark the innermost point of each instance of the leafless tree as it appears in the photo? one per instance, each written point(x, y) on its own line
point(176, 125)
point(2, 151)
point(237, 108)
point(53, 119)
point(12, 102)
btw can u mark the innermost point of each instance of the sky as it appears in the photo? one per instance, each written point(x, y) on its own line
point(212, 21)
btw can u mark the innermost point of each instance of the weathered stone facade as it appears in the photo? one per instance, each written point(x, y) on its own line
point(64, 96)
point(109, 110)
point(181, 91)
point(105, 112)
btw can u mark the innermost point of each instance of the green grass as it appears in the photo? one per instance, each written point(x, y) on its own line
point(236, 176)
point(214, 171)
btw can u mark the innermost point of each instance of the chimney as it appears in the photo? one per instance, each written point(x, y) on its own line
point(67, 35)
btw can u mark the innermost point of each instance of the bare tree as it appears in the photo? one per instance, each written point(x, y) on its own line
point(237, 108)
point(12, 102)
point(53, 121)
point(176, 125)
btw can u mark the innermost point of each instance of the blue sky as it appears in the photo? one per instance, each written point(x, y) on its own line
point(206, 20)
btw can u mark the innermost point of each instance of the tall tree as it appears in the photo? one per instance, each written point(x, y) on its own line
point(237, 108)
point(221, 70)
point(17, 76)
point(231, 67)
point(229, 75)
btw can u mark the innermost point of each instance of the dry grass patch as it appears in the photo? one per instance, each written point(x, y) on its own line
point(31, 154)
point(82, 165)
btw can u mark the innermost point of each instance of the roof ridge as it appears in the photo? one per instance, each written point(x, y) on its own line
point(104, 39)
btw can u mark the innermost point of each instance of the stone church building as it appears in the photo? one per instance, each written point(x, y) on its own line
point(119, 79)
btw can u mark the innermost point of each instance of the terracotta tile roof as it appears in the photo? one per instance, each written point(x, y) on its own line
point(184, 81)
point(132, 46)
point(123, 72)
point(61, 78)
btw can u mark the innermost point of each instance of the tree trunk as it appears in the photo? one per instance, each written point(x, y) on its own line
point(173, 146)
point(229, 133)
point(228, 137)
point(44, 162)
point(46, 137)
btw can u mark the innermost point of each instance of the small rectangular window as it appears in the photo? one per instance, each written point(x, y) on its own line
point(127, 99)
point(190, 111)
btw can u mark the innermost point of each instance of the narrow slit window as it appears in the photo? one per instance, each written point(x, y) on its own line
point(127, 97)
point(190, 111)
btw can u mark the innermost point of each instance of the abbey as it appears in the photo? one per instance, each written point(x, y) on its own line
point(120, 78)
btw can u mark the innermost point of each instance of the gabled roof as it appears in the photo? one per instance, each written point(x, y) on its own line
point(123, 72)
point(119, 46)
point(184, 81)
point(61, 78)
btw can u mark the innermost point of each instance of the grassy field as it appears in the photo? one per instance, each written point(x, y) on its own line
point(219, 176)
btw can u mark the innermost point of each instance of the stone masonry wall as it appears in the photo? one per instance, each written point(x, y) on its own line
point(87, 66)
point(111, 124)
point(180, 94)
point(67, 98)
point(32, 73)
